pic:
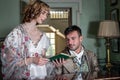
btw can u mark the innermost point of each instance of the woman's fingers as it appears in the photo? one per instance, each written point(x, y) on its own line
point(43, 61)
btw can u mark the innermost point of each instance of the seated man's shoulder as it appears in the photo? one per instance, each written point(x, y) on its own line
point(89, 52)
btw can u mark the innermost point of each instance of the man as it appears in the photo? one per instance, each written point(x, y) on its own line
point(84, 61)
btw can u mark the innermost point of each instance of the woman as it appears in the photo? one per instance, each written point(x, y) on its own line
point(25, 46)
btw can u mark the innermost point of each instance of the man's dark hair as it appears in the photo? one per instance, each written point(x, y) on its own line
point(71, 29)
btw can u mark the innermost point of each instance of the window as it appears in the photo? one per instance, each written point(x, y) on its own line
point(59, 13)
point(60, 18)
point(51, 50)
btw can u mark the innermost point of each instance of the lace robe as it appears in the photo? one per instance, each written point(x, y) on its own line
point(17, 47)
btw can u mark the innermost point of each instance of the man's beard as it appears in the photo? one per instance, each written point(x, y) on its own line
point(73, 47)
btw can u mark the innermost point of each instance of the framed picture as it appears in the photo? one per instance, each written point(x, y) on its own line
point(115, 45)
point(113, 2)
point(114, 15)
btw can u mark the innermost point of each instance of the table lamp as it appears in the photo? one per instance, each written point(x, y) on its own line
point(108, 30)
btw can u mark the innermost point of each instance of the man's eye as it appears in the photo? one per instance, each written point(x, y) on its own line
point(67, 39)
point(73, 38)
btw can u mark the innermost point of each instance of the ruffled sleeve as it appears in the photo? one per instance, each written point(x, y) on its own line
point(10, 54)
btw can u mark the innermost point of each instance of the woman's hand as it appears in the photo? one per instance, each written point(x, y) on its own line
point(40, 61)
point(59, 63)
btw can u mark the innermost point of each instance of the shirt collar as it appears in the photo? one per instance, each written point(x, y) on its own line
point(73, 53)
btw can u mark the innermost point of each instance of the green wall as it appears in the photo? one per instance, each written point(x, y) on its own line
point(92, 12)
point(9, 16)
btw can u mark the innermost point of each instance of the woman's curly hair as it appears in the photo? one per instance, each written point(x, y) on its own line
point(34, 9)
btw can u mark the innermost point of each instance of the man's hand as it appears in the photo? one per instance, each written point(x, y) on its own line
point(59, 63)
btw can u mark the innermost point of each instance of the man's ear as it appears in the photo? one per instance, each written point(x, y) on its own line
point(81, 38)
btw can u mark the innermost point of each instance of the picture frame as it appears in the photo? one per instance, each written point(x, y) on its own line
point(113, 2)
point(115, 46)
point(114, 15)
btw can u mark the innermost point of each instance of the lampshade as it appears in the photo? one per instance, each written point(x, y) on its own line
point(109, 28)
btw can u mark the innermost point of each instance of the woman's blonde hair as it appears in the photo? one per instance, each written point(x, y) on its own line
point(34, 9)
